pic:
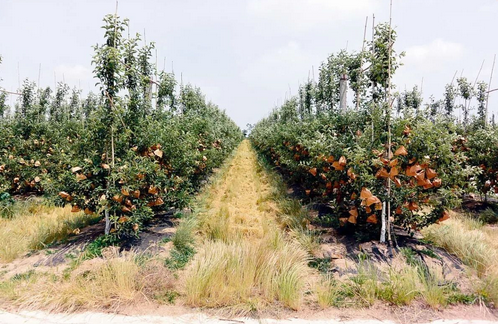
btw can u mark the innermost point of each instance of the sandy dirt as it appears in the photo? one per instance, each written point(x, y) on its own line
point(193, 318)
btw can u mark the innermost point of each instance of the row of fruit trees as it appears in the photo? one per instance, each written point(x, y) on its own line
point(142, 145)
point(390, 160)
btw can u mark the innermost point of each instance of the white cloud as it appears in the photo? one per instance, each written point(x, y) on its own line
point(278, 67)
point(434, 55)
point(212, 93)
point(304, 15)
point(489, 8)
point(73, 75)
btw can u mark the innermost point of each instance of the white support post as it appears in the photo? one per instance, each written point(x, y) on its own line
point(343, 92)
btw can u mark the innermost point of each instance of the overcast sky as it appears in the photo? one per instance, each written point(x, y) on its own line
point(246, 55)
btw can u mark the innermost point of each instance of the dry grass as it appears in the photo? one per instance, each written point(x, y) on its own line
point(109, 283)
point(36, 225)
point(234, 205)
point(246, 262)
point(104, 283)
point(475, 244)
point(248, 273)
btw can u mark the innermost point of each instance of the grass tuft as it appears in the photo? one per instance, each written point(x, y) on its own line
point(475, 244)
point(240, 272)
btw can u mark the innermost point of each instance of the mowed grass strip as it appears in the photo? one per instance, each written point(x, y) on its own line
point(246, 261)
point(235, 206)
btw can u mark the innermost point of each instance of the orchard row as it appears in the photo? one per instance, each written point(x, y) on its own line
point(141, 146)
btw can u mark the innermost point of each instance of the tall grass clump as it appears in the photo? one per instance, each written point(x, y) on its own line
point(184, 235)
point(35, 225)
point(289, 211)
point(474, 245)
point(218, 226)
point(329, 292)
point(245, 272)
point(461, 237)
point(398, 283)
point(114, 280)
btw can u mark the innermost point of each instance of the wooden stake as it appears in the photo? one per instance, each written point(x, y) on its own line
point(115, 26)
point(373, 29)
point(157, 88)
point(489, 91)
point(107, 229)
point(373, 52)
point(361, 64)
point(453, 80)
point(39, 74)
point(18, 75)
point(106, 211)
point(479, 73)
point(10, 92)
point(343, 91)
point(383, 227)
point(389, 124)
point(475, 82)
point(454, 76)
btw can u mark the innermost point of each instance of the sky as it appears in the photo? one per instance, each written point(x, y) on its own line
point(247, 56)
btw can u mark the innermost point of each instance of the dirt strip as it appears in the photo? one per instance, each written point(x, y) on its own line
point(102, 318)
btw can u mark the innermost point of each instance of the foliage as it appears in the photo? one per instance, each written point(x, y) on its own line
point(94, 248)
point(124, 154)
point(344, 158)
point(333, 158)
point(6, 205)
point(482, 148)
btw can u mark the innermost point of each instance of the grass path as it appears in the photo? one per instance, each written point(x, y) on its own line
point(239, 202)
point(245, 261)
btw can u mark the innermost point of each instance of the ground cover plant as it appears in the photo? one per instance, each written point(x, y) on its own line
point(475, 244)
